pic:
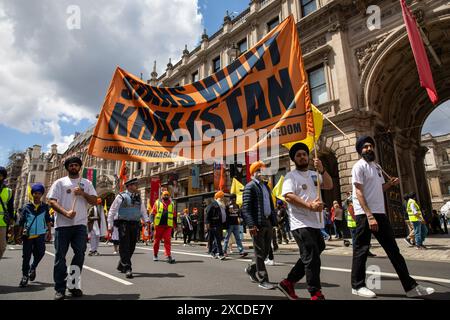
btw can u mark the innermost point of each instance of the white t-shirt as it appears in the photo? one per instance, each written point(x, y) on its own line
point(62, 191)
point(370, 176)
point(302, 184)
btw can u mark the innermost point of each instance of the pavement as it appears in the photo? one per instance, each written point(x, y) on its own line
point(438, 248)
point(196, 275)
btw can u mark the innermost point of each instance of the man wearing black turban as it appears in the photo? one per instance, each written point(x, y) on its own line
point(305, 209)
point(368, 200)
point(70, 225)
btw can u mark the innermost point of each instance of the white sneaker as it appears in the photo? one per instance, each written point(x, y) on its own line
point(419, 291)
point(269, 262)
point(115, 252)
point(364, 292)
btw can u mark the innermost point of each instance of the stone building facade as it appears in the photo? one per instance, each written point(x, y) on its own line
point(364, 80)
point(14, 169)
point(437, 167)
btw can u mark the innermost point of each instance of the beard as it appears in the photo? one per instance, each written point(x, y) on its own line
point(369, 156)
point(73, 172)
point(302, 166)
point(221, 203)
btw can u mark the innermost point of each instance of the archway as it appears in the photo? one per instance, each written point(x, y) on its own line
point(398, 108)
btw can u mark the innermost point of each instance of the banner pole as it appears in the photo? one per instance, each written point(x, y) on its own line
point(83, 165)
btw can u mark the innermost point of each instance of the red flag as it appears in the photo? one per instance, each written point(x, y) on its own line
point(123, 175)
point(420, 55)
point(222, 180)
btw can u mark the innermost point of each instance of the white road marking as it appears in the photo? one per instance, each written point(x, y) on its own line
point(106, 275)
point(383, 274)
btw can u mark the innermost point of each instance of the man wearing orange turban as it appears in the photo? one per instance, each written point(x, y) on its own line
point(216, 218)
point(259, 214)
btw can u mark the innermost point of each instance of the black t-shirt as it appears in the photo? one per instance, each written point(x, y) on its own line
point(194, 219)
point(234, 214)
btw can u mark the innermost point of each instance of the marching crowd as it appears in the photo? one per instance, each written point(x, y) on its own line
point(76, 213)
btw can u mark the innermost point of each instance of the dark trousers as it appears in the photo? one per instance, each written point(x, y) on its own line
point(76, 237)
point(128, 235)
point(385, 237)
point(261, 244)
point(194, 232)
point(215, 235)
point(187, 234)
point(311, 244)
point(35, 247)
point(338, 228)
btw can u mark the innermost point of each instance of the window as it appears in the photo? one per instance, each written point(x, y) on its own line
point(194, 76)
point(138, 166)
point(272, 24)
point(445, 157)
point(32, 178)
point(34, 167)
point(216, 64)
point(242, 46)
point(41, 168)
point(308, 6)
point(318, 86)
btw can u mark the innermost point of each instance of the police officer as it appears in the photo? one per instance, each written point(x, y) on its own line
point(6, 209)
point(127, 209)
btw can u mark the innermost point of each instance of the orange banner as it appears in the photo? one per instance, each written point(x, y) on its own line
point(260, 99)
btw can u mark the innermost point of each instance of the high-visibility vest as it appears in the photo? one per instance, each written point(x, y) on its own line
point(159, 212)
point(351, 223)
point(411, 215)
point(6, 195)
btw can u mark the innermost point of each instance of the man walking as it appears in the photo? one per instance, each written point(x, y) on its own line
point(259, 215)
point(417, 220)
point(305, 212)
point(127, 210)
point(6, 209)
point(216, 219)
point(164, 220)
point(187, 227)
point(370, 213)
point(96, 226)
point(233, 215)
point(70, 197)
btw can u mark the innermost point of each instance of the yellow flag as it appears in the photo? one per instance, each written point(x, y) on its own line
point(30, 196)
point(318, 125)
point(276, 192)
point(237, 189)
point(105, 208)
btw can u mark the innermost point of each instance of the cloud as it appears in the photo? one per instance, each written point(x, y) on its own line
point(437, 122)
point(50, 74)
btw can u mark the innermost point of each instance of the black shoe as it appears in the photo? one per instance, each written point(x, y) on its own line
point(252, 274)
point(76, 293)
point(346, 243)
point(370, 254)
point(129, 274)
point(59, 295)
point(32, 275)
point(120, 268)
point(23, 283)
point(170, 260)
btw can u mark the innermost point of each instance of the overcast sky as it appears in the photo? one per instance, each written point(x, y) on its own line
point(53, 79)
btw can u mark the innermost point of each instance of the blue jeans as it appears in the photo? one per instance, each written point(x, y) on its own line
point(353, 232)
point(233, 229)
point(420, 232)
point(324, 233)
point(76, 237)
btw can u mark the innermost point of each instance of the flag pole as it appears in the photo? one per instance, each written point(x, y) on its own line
point(348, 138)
point(83, 165)
point(316, 157)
